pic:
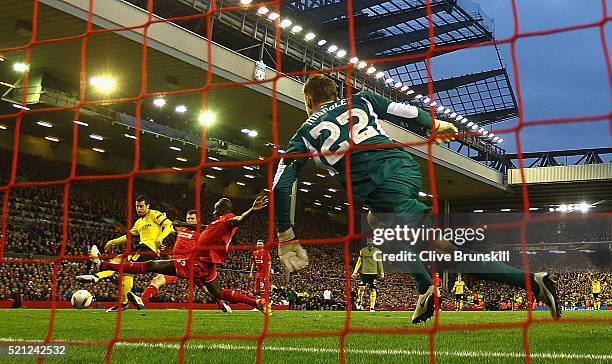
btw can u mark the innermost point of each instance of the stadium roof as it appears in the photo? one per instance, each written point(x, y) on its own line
point(484, 95)
point(119, 56)
point(391, 28)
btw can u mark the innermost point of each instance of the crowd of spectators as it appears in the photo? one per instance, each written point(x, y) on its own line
point(35, 228)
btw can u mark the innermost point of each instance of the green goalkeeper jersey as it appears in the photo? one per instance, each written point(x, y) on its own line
point(369, 264)
point(327, 131)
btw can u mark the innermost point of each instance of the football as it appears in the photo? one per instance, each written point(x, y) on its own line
point(81, 299)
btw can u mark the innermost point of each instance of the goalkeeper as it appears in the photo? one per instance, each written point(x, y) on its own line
point(387, 180)
point(152, 227)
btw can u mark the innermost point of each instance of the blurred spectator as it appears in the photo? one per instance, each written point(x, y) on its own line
point(36, 227)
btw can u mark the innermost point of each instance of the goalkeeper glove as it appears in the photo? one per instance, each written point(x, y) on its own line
point(445, 131)
point(292, 255)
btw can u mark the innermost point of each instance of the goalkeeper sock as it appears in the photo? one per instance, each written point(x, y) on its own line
point(360, 293)
point(233, 296)
point(127, 284)
point(497, 272)
point(150, 291)
point(491, 271)
point(131, 267)
point(423, 279)
point(372, 299)
point(104, 274)
point(460, 305)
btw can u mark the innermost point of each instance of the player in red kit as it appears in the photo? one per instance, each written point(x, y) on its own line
point(437, 280)
point(201, 264)
point(186, 239)
point(260, 259)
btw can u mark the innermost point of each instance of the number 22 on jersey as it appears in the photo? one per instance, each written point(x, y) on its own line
point(360, 132)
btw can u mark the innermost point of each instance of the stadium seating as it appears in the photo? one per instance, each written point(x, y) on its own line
point(35, 217)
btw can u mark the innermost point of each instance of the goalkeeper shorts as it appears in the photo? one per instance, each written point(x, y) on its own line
point(398, 194)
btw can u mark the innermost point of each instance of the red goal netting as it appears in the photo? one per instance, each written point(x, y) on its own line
point(269, 161)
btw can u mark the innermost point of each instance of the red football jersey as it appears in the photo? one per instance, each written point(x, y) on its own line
point(215, 239)
point(186, 240)
point(261, 258)
point(437, 282)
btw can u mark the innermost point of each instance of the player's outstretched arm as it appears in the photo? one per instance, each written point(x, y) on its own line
point(404, 113)
point(259, 203)
point(292, 255)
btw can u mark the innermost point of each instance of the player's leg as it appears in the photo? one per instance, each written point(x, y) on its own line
point(230, 295)
point(94, 254)
point(257, 285)
point(152, 266)
point(220, 303)
point(372, 298)
point(142, 254)
point(397, 195)
point(127, 283)
point(360, 292)
point(208, 272)
point(266, 287)
point(542, 287)
point(153, 288)
point(155, 266)
point(265, 291)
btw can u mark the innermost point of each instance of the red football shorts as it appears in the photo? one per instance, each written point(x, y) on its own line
point(260, 284)
point(202, 270)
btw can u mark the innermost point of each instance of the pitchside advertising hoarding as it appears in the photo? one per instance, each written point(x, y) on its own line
point(476, 242)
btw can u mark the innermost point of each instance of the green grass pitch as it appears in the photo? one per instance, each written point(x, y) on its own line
point(558, 342)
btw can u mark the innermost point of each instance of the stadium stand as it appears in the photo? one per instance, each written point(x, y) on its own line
point(35, 230)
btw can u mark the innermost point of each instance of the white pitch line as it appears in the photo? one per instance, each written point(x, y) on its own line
point(375, 352)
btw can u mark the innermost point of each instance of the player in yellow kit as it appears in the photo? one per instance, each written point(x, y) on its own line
point(596, 290)
point(459, 288)
point(370, 270)
point(152, 228)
